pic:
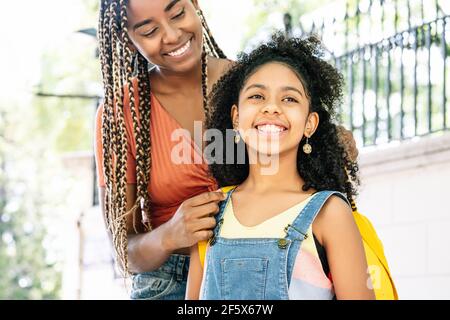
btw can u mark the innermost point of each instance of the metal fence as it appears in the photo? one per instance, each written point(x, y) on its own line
point(394, 57)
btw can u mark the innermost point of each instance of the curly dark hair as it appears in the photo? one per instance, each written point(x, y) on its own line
point(328, 167)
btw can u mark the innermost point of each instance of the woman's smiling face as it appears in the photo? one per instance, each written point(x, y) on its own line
point(273, 114)
point(166, 32)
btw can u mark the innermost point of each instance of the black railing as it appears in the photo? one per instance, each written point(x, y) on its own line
point(394, 57)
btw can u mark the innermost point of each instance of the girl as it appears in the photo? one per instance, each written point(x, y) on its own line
point(289, 234)
point(141, 188)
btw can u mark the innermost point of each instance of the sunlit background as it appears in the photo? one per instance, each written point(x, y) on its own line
point(394, 57)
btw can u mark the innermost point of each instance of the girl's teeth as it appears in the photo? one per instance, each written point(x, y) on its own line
point(270, 128)
point(180, 51)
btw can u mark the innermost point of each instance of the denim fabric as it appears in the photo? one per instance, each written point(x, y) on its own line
point(257, 269)
point(166, 283)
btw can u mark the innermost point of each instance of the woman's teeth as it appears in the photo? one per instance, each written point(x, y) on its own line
point(180, 51)
point(270, 128)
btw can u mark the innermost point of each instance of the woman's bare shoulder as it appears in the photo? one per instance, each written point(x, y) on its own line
point(218, 67)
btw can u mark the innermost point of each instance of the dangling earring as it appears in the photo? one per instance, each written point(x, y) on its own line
point(307, 148)
point(237, 136)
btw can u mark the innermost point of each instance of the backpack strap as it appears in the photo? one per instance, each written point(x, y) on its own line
point(375, 257)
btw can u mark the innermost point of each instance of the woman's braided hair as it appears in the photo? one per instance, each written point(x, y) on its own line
point(119, 68)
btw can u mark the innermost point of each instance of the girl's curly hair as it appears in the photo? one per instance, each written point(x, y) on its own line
point(328, 167)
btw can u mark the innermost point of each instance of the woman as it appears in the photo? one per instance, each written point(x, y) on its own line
point(134, 138)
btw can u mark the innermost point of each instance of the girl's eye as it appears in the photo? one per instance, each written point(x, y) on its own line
point(256, 96)
point(179, 15)
point(290, 99)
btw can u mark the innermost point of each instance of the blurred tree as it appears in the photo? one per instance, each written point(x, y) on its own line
point(34, 133)
point(27, 268)
point(263, 9)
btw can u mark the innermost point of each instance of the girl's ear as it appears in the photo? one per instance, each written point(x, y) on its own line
point(311, 124)
point(235, 116)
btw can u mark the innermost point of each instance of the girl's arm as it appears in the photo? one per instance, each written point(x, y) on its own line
point(195, 275)
point(342, 241)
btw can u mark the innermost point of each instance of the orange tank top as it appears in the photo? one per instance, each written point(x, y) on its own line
point(170, 183)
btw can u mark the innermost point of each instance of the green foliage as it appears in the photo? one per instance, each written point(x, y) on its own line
point(34, 132)
point(263, 8)
point(27, 270)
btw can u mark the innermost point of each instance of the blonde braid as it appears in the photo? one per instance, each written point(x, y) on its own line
point(109, 125)
point(128, 74)
point(107, 136)
point(145, 111)
point(116, 60)
point(119, 229)
point(210, 41)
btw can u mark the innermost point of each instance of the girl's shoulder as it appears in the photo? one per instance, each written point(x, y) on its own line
point(336, 214)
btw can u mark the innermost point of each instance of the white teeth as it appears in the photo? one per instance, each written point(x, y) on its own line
point(180, 51)
point(270, 128)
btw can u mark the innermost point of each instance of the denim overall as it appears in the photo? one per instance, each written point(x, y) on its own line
point(257, 269)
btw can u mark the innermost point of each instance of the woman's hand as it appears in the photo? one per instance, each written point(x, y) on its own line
point(193, 221)
point(348, 141)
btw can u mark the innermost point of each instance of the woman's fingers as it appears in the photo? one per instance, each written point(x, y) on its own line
point(204, 198)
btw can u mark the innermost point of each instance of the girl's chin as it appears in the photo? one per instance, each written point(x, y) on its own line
point(272, 151)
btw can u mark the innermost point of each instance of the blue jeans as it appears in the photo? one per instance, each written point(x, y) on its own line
point(166, 283)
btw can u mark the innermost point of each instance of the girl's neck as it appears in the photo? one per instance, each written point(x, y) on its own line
point(281, 175)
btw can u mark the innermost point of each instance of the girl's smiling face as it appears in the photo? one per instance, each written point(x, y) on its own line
point(274, 110)
point(168, 33)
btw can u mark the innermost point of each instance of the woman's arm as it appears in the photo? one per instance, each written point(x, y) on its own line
point(339, 234)
point(195, 276)
point(146, 251)
point(191, 223)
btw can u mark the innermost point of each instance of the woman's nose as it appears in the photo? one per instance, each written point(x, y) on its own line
point(171, 34)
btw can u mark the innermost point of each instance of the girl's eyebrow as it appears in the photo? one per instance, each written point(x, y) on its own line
point(255, 85)
point(288, 88)
point(261, 86)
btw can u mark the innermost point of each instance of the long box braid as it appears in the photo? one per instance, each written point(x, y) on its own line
point(117, 64)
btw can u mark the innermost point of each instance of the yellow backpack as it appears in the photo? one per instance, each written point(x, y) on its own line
point(382, 282)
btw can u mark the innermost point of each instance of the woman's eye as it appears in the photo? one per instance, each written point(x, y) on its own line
point(179, 15)
point(150, 33)
point(290, 99)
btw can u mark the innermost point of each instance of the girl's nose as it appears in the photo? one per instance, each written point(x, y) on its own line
point(271, 108)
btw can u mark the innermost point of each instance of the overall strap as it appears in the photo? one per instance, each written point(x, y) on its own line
point(298, 230)
point(219, 216)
